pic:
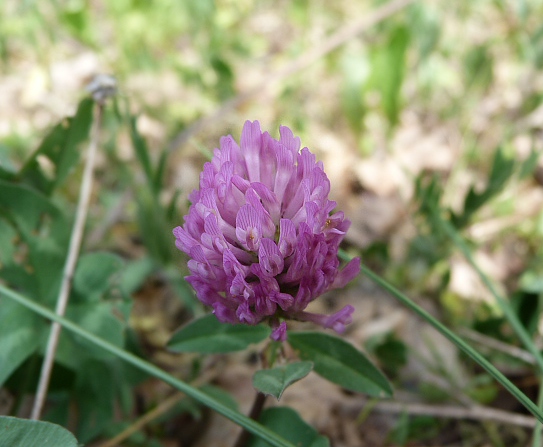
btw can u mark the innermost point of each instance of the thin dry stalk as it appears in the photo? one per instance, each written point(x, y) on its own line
point(156, 412)
point(497, 345)
point(69, 266)
point(478, 413)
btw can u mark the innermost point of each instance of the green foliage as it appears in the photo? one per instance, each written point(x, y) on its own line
point(536, 41)
point(531, 280)
point(142, 153)
point(417, 428)
point(155, 220)
point(482, 389)
point(208, 335)
point(221, 396)
point(500, 172)
point(391, 353)
point(388, 68)
point(20, 332)
point(432, 243)
point(461, 344)
point(478, 67)
point(289, 423)
point(154, 226)
point(340, 363)
point(37, 231)
point(425, 29)
point(25, 207)
point(94, 272)
point(148, 368)
point(527, 306)
point(59, 151)
point(382, 71)
point(16, 432)
point(274, 381)
point(356, 69)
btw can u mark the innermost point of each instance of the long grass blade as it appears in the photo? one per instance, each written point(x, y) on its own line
point(461, 344)
point(248, 424)
point(504, 305)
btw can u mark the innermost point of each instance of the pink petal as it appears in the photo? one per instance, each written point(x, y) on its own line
point(346, 274)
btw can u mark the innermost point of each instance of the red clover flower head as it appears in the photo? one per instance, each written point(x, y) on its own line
point(262, 235)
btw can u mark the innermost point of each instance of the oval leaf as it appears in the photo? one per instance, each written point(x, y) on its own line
point(340, 363)
point(93, 273)
point(291, 426)
point(275, 381)
point(20, 332)
point(208, 335)
point(15, 432)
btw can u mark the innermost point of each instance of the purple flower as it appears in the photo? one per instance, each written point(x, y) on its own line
point(262, 235)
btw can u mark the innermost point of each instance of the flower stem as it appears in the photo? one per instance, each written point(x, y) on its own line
point(256, 410)
point(69, 266)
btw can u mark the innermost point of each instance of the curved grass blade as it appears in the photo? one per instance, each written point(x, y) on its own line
point(461, 344)
point(248, 424)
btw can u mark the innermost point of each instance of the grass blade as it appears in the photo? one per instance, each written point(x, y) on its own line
point(248, 424)
point(461, 344)
point(512, 318)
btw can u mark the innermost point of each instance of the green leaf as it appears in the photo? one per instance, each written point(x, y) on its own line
point(208, 335)
point(275, 381)
point(61, 149)
point(47, 258)
point(221, 396)
point(160, 173)
point(388, 71)
point(532, 280)
point(7, 242)
point(340, 363)
point(142, 152)
point(20, 332)
point(355, 68)
point(93, 273)
point(225, 77)
point(392, 354)
point(528, 166)
point(291, 426)
point(154, 227)
point(15, 432)
point(400, 434)
point(134, 274)
point(425, 27)
point(24, 206)
point(527, 307)
point(95, 396)
point(97, 318)
point(194, 408)
point(478, 67)
point(502, 169)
